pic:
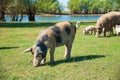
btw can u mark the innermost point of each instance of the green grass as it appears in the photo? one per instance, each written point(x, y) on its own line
point(92, 58)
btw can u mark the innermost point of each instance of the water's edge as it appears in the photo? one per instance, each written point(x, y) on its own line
point(39, 18)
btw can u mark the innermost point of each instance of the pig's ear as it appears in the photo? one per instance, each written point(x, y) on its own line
point(27, 50)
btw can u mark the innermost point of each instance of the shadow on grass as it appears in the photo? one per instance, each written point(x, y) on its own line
point(3, 48)
point(76, 59)
point(108, 36)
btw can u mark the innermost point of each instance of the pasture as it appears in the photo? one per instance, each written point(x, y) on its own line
point(92, 58)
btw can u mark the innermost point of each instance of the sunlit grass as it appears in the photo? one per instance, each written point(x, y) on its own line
point(92, 58)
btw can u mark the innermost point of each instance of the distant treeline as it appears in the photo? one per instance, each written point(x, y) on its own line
point(93, 6)
point(33, 7)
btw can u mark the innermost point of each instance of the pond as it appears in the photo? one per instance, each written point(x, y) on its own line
point(57, 18)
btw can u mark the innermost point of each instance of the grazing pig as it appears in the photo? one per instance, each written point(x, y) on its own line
point(118, 30)
point(89, 29)
point(62, 33)
point(106, 23)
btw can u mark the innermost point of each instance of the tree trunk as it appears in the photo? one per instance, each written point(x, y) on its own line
point(21, 17)
point(16, 18)
point(2, 16)
point(31, 15)
point(13, 17)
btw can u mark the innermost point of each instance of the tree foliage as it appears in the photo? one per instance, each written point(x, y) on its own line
point(93, 6)
point(28, 7)
point(49, 6)
point(3, 6)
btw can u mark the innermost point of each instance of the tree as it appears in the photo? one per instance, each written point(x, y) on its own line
point(3, 5)
point(85, 6)
point(73, 5)
point(49, 6)
point(31, 9)
point(13, 9)
point(23, 7)
point(20, 7)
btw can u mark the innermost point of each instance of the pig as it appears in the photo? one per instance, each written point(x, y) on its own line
point(106, 23)
point(89, 29)
point(62, 33)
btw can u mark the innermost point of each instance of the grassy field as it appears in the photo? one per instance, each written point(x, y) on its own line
point(92, 58)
